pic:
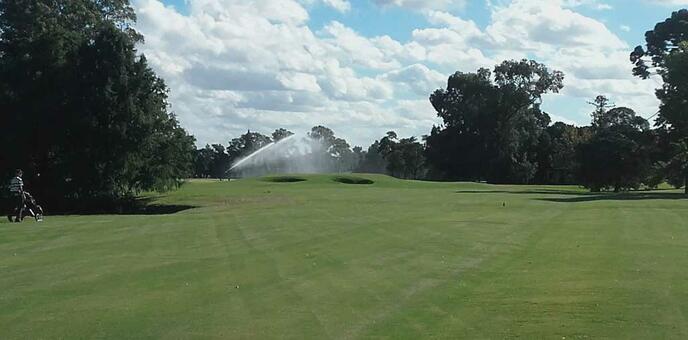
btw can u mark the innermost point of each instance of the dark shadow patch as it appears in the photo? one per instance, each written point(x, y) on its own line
point(527, 192)
point(130, 206)
point(352, 180)
point(152, 209)
point(636, 196)
point(582, 196)
point(53, 206)
point(284, 179)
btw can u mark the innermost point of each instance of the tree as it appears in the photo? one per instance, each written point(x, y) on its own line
point(344, 157)
point(280, 134)
point(203, 162)
point(602, 105)
point(413, 156)
point(372, 160)
point(87, 113)
point(323, 134)
point(666, 54)
point(220, 161)
point(246, 144)
point(359, 156)
point(404, 157)
point(391, 153)
point(330, 151)
point(619, 116)
point(492, 123)
point(554, 154)
point(617, 155)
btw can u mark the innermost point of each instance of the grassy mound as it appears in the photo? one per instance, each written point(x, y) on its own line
point(285, 179)
point(352, 180)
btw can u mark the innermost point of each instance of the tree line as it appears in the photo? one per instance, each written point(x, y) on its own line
point(398, 157)
point(494, 129)
point(88, 120)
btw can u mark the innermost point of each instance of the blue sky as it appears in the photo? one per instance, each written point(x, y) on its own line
point(363, 67)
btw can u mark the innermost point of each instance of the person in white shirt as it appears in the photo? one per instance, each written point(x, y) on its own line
point(17, 192)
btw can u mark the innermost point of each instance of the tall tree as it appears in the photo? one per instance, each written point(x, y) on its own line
point(359, 156)
point(372, 160)
point(558, 144)
point(203, 162)
point(602, 105)
point(87, 113)
point(330, 151)
point(666, 54)
point(280, 134)
point(617, 156)
point(492, 122)
point(323, 134)
point(221, 161)
point(246, 144)
point(404, 157)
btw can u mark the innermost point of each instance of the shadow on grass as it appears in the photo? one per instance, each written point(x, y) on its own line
point(582, 196)
point(527, 192)
point(633, 196)
point(137, 206)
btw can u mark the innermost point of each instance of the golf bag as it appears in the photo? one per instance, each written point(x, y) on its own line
point(31, 207)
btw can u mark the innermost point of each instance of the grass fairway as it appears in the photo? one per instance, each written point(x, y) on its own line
point(322, 259)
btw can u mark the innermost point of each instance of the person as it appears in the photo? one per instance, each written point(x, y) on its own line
point(17, 193)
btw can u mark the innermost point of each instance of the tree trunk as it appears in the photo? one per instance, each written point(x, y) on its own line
point(685, 182)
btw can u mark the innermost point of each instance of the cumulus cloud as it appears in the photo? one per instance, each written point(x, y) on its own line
point(234, 65)
point(417, 77)
point(594, 4)
point(239, 65)
point(668, 2)
point(340, 5)
point(534, 25)
point(423, 4)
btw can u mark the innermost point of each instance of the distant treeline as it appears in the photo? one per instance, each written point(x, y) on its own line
point(88, 120)
point(494, 129)
point(402, 158)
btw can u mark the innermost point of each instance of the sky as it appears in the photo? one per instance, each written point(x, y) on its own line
point(365, 67)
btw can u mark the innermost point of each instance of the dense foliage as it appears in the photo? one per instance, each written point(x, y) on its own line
point(84, 114)
point(557, 163)
point(88, 119)
point(492, 123)
point(666, 54)
point(617, 156)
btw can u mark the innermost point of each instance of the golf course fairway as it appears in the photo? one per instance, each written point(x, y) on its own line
point(338, 257)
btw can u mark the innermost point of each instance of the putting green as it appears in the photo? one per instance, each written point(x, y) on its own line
point(322, 259)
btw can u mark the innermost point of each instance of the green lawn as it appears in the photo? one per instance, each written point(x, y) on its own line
point(319, 259)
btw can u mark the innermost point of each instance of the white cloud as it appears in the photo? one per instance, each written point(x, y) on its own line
point(537, 26)
point(594, 4)
point(234, 65)
point(417, 77)
point(340, 5)
point(668, 2)
point(423, 4)
point(353, 48)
